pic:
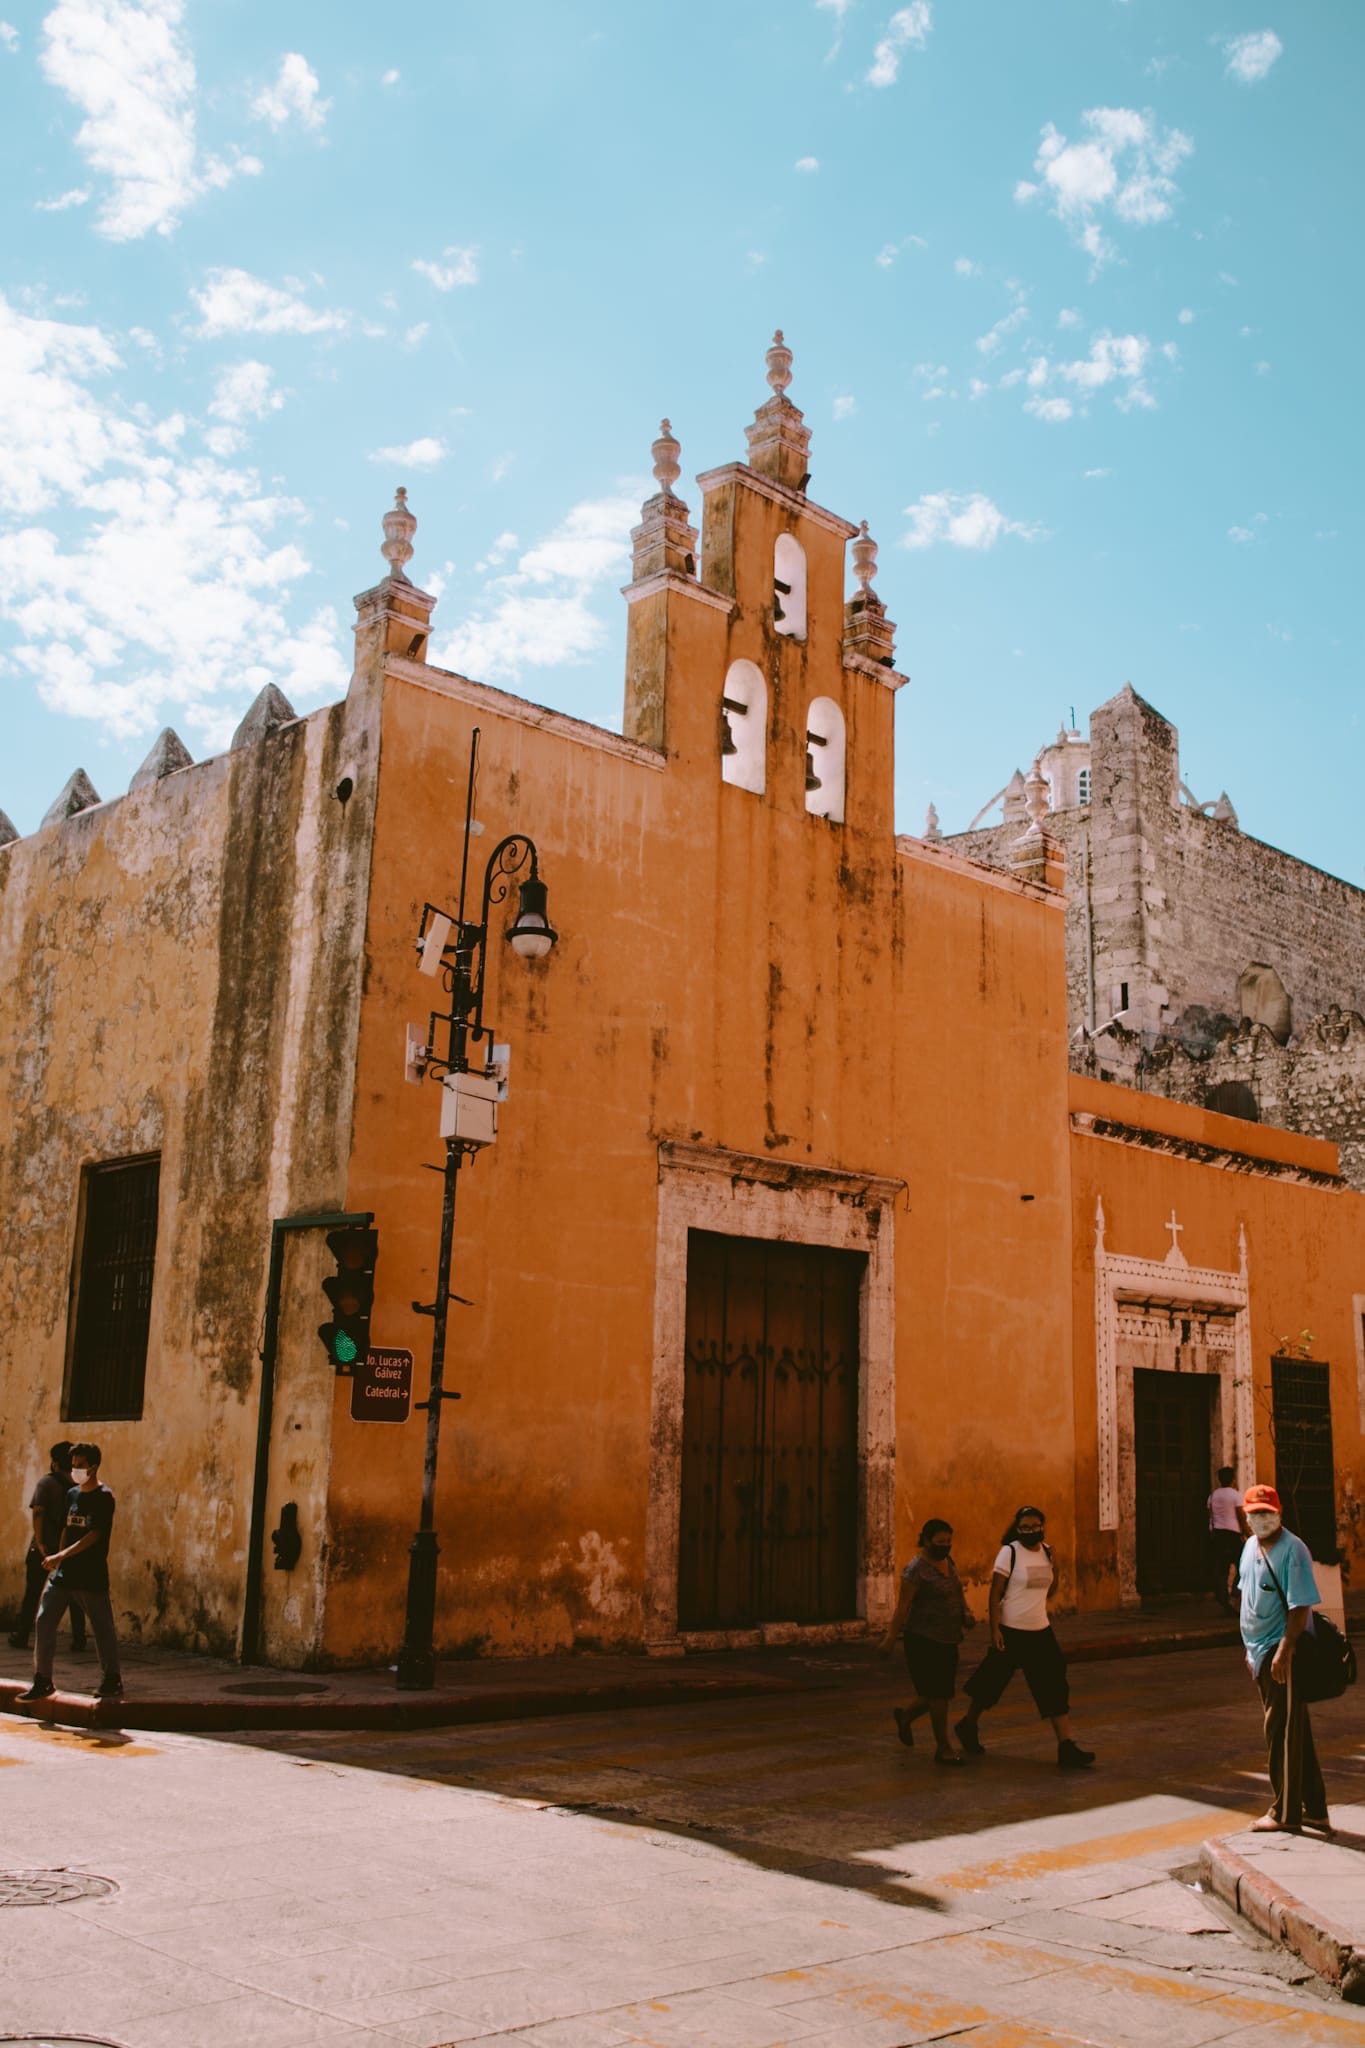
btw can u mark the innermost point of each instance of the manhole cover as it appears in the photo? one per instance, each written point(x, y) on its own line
point(277, 1688)
point(50, 1888)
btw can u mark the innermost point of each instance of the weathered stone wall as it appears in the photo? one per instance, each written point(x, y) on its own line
point(1175, 905)
point(183, 971)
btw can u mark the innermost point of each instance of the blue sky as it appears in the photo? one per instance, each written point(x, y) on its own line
point(1071, 288)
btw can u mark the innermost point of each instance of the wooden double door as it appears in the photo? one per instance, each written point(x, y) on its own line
point(1171, 1439)
point(769, 1509)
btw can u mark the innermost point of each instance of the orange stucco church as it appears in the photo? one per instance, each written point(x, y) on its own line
point(796, 1228)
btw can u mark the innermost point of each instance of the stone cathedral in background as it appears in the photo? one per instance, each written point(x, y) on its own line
point(808, 1194)
point(1201, 963)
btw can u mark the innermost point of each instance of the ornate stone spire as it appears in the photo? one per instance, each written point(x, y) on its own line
point(779, 440)
point(664, 539)
point(1036, 856)
point(399, 527)
point(931, 824)
point(394, 616)
point(666, 451)
point(867, 630)
point(779, 361)
point(1016, 803)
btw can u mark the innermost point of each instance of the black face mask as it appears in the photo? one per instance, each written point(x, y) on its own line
point(940, 1550)
point(1032, 1540)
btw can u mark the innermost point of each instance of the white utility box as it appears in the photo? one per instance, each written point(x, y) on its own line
point(469, 1108)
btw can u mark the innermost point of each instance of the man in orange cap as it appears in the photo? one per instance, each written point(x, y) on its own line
point(1279, 1594)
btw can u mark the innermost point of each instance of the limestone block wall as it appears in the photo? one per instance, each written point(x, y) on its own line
point(182, 978)
point(1169, 906)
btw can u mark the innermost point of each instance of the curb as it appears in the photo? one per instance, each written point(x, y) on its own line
point(439, 1710)
point(1100, 1652)
point(1324, 1946)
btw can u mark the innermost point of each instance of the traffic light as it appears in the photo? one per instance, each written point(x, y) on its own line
point(351, 1292)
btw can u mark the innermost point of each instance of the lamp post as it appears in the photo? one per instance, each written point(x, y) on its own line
point(456, 948)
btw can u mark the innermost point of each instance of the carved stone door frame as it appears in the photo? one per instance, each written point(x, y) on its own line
point(703, 1187)
point(1132, 1287)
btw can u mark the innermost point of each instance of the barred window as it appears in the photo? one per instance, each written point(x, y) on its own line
point(1302, 1422)
point(113, 1291)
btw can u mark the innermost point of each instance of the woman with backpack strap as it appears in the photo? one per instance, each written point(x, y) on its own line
point(1022, 1640)
point(1279, 1594)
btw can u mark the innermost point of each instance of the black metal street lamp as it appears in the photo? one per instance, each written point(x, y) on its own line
point(457, 949)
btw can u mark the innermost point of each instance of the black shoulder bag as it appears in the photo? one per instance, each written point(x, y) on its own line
point(1324, 1662)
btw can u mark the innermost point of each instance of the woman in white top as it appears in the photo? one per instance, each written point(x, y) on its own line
point(1022, 1640)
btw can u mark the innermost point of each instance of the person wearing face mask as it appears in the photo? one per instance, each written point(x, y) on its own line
point(47, 1506)
point(80, 1576)
point(931, 1619)
point(1022, 1640)
point(1279, 1594)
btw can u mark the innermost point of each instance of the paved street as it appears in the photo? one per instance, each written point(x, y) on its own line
point(742, 1874)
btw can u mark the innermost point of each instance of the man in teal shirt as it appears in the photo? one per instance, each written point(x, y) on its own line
point(1279, 1594)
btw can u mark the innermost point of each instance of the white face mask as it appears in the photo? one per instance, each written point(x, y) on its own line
point(79, 1474)
point(1264, 1522)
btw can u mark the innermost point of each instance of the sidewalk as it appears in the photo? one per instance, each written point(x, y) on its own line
point(171, 1689)
point(1307, 1894)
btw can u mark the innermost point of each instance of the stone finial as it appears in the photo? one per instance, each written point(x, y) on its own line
point(168, 756)
point(666, 451)
point(8, 830)
point(779, 439)
point(1035, 856)
point(664, 540)
point(1016, 803)
point(1036, 794)
point(864, 558)
point(1223, 810)
point(779, 361)
point(931, 825)
point(399, 527)
point(78, 794)
point(269, 711)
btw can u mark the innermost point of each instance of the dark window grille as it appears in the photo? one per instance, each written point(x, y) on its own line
point(114, 1292)
point(1302, 1414)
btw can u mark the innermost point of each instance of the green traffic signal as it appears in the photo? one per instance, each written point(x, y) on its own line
point(350, 1290)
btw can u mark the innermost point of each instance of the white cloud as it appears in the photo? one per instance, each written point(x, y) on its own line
point(141, 581)
point(962, 520)
point(235, 302)
point(845, 407)
point(445, 276)
point(908, 27)
point(77, 196)
point(977, 389)
point(542, 614)
point(1241, 534)
point(245, 391)
point(424, 453)
point(1069, 317)
point(414, 336)
point(987, 344)
point(838, 8)
point(1251, 56)
point(497, 553)
point(127, 66)
point(294, 95)
point(1184, 316)
point(1050, 409)
point(807, 163)
point(391, 78)
point(1262, 369)
point(1099, 472)
point(1125, 166)
point(9, 36)
point(965, 267)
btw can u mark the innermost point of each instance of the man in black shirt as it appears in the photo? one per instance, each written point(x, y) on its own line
point(48, 1508)
point(80, 1575)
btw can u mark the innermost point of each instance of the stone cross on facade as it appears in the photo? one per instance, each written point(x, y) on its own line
point(1175, 1257)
